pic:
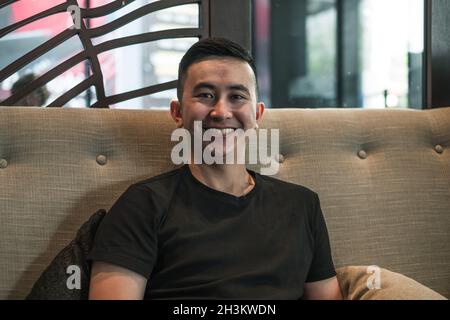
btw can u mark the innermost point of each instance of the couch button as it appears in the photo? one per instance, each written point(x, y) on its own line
point(279, 158)
point(101, 160)
point(362, 154)
point(3, 163)
point(439, 149)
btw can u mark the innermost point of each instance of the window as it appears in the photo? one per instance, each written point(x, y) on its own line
point(340, 53)
point(141, 65)
point(123, 68)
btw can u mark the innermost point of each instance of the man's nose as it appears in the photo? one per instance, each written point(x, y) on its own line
point(221, 110)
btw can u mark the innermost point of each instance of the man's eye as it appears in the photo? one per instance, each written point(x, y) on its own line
point(205, 95)
point(237, 97)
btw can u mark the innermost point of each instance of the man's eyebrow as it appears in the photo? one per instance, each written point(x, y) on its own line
point(207, 85)
point(239, 87)
point(204, 85)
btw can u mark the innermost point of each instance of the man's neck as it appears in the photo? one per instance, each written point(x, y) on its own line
point(231, 179)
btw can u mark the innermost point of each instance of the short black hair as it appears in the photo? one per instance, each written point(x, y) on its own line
point(212, 48)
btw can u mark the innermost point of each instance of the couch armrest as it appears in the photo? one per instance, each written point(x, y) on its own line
point(392, 286)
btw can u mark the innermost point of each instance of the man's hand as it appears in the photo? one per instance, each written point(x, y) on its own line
point(111, 282)
point(323, 290)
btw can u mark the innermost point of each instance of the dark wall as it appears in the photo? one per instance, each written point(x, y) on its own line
point(440, 53)
point(232, 19)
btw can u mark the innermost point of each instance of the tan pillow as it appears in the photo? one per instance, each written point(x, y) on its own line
point(392, 286)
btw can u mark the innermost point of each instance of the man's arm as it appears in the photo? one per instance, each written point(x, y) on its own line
point(111, 282)
point(323, 290)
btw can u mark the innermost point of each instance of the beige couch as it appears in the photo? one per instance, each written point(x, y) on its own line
point(383, 177)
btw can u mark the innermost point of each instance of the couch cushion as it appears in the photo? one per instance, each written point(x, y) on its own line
point(358, 283)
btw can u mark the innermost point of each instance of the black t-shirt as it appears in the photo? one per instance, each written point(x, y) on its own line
point(193, 242)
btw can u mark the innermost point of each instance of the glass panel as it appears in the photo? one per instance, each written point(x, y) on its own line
point(158, 100)
point(80, 100)
point(24, 9)
point(16, 44)
point(43, 64)
point(317, 82)
point(339, 53)
point(46, 94)
point(66, 81)
point(392, 47)
point(153, 63)
point(124, 69)
point(185, 16)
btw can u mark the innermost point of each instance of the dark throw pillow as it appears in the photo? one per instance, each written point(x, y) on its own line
point(53, 282)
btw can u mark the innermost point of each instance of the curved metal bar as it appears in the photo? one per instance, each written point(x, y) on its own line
point(93, 57)
point(62, 7)
point(138, 13)
point(138, 93)
point(5, 3)
point(58, 9)
point(148, 37)
point(36, 53)
point(72, 93)
point(105, 9)
point(45, 78)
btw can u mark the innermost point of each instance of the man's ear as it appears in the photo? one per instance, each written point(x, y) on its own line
point(259, 110)
point(175, 112)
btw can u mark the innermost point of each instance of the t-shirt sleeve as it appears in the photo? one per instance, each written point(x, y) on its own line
point(322, 266)
point(127, 236)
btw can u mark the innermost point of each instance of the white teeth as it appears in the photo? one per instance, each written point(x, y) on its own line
point(223, 132)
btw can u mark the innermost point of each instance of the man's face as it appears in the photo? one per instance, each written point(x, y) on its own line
point(220, 92)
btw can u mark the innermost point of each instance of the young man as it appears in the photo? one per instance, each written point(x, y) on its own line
point(215, 231)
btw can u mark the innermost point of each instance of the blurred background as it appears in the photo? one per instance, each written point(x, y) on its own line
point(309, 53)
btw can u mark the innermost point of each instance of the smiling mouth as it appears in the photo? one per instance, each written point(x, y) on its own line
point(220, 131)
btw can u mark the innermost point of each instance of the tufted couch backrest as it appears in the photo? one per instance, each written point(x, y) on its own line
point(383, 177)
